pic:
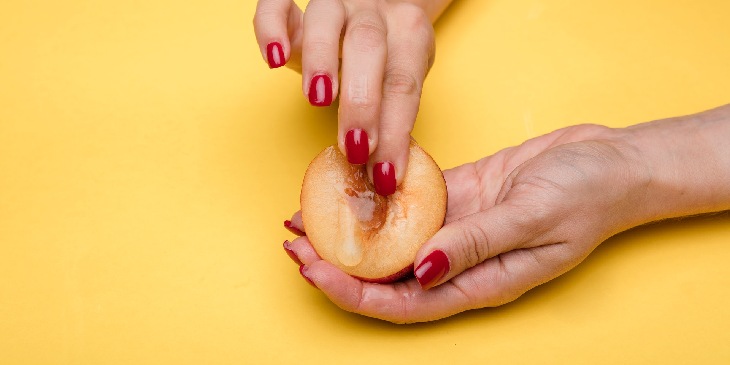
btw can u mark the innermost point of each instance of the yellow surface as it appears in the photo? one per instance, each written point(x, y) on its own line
point(148, 158)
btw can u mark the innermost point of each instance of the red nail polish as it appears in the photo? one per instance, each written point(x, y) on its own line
point(432, 269)
point(303, 271)
point(275, 55)
point(291, 253)
point(320, 90)
point(384, 178)
point(357, 146)
point(292, 229)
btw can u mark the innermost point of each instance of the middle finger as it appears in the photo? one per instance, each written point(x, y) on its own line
point(364, 53)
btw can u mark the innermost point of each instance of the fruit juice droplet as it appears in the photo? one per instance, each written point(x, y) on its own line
point(349, 251)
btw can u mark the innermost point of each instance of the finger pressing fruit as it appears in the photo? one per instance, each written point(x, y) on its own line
point(366, 235)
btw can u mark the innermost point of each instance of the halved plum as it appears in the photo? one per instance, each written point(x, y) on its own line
point(366, 235)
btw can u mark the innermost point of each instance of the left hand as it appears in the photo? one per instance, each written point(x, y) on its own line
point(514, 221)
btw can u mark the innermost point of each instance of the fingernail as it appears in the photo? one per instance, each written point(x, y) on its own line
point(320, 90)
point(303, 271)
point(357, 146)
point(384, 178)
point(291, 253)
point(275, 55)
point(292, 229)
point(432, 269)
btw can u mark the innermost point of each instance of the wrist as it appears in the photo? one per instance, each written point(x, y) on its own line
point(684, 164)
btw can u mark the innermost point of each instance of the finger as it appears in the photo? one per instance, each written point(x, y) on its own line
point(410, 49)
point(295, 225)
point(496, 281)
point(504, 278)
point(472, 239)
point(323, 22)
point(402, 302)
point(363, 64)
point(271, 26)
point(292, 255)
point(303, 250)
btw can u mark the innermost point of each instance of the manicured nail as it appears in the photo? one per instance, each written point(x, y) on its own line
point(320, 90)
point(292, 229)
point(303, 271)
point(291, 253)
point(432, 269)
point(384, 178)
point(275, 55)
point(357, 146)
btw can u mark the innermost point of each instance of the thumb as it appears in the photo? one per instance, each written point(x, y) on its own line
point(470, 240)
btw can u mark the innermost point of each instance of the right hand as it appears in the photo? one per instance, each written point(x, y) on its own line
point(387, 48)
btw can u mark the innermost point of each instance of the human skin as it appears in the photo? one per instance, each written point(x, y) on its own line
point(374, 53)
point(529, 213)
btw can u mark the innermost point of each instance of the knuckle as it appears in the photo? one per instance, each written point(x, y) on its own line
point(363, 107)
point(597, 128)
point(535, 220)
point(356, 306)
point(394, 137)
point(537, 214)
point(470, 291)
point(406, 313)
point(503, 290)
point(588, 130)
point(505, 297)
point(267, 10)
point(594, 128)
point(317, 5)
point(412, 18)
point(361, 104)
point(366, 33)
point(475, 246)
point(360, 94)
point(318, 46)
point(398, 82)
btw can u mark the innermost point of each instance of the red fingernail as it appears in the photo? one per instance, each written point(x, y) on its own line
point(291, 253)
point(320, 90)
point(303, 271)
point(384, 178)
point(275, 55)
point(432, 269)
point(292, 229)
point(357, 146)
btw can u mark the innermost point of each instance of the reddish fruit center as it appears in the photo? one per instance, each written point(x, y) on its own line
point(370, 208)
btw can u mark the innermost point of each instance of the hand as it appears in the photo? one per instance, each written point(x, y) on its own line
point(514, 221)
point(387, 49)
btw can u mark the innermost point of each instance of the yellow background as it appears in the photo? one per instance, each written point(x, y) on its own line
point(148, 157)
